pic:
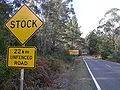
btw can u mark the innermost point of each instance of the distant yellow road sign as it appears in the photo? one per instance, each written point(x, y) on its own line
point(21, 57)
point(24, 24)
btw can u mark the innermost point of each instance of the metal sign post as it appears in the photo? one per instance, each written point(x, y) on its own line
point(22, 76)
point(22, 79)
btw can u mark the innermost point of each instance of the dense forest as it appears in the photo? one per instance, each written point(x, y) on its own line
point(59, 33)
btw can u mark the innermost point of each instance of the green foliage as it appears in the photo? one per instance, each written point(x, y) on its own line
point(62, 55)
point(65, 56)
point(92, 43)
point(5, 72)
point(105, 48)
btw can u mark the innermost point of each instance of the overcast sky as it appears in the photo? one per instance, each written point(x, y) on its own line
point(89, 12)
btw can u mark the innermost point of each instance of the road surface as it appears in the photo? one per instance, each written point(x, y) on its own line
point(105, 74)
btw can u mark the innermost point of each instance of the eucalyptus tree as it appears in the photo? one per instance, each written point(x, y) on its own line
point(109, 26)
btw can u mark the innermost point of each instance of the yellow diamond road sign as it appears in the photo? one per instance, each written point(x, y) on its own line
point(21, 57)
point(24, 24)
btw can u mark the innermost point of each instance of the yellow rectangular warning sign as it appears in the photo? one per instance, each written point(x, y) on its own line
point(21, 57)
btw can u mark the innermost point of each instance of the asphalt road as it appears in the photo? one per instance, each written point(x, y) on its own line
point(106, 73)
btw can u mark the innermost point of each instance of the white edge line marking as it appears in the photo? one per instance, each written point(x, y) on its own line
point(95, 81)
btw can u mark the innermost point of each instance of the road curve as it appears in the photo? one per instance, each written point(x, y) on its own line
point(106, 73)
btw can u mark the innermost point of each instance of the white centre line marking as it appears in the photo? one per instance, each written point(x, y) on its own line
point(95, 81)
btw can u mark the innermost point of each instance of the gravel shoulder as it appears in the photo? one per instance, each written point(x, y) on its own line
point(76, 77)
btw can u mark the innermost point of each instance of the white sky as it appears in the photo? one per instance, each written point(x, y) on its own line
point(89, 12)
